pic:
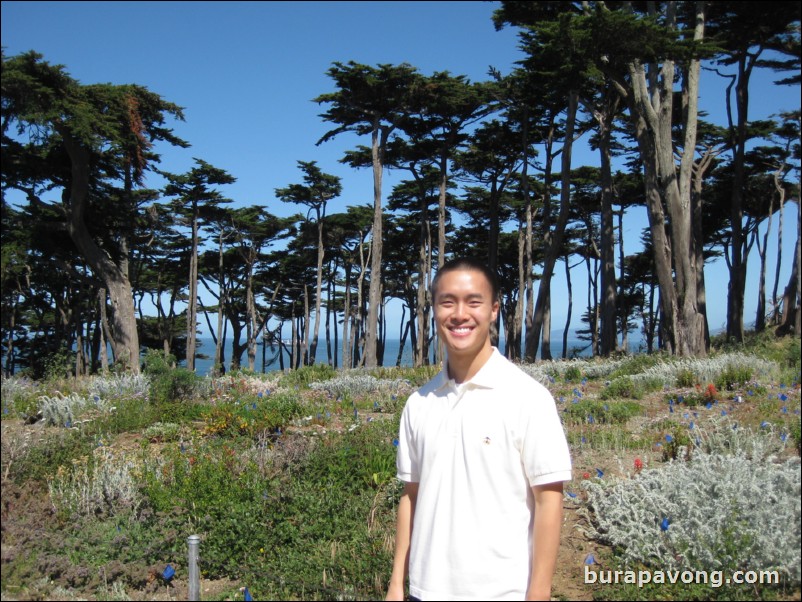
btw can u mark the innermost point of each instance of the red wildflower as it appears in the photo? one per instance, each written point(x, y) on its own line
point(585, 475)
point(638, 464)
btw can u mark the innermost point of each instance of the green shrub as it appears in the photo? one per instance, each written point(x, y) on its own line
point(598, 412)
point(623, 386)
point(251, 415)
point(636, 364)
point(305, 375)
point(685, 378)
point(733, 376)
point(572, 374)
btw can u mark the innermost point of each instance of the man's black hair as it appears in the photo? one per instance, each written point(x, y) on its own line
point(469, 264)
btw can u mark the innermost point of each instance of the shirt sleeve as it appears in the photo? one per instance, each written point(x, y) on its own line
point(406, 462)
point(544, 448)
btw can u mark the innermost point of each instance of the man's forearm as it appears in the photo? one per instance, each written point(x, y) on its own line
point(546, 539)
point(403, 537)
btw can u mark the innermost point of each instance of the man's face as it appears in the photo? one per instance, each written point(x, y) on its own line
point(464, 308)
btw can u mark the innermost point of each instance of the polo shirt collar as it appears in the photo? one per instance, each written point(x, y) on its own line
point(482, 379)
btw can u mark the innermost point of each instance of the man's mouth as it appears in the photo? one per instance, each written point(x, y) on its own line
point(461, 330)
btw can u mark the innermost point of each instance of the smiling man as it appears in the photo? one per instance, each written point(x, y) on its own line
point(483, 457)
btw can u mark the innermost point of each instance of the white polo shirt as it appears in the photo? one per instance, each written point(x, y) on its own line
point(476, 450)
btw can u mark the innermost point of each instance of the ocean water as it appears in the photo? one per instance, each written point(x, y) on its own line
point(206, 347)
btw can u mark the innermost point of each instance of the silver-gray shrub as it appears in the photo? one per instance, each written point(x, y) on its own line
point(63, 410)
point(594, 368)
point(665, 371)
point(119, 386)
point(706, 370)
point(357, 385)
point(105, 483)
point(16, 389)
point(724, 511)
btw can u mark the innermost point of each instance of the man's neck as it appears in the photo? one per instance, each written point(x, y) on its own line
point(463, 369)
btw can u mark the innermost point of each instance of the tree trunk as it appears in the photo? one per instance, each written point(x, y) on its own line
point(318, 290)
point(379, 142)
point(760, 312)
point(347, 317)
point(192, 301)
point(609, 311)
point(570, 310)
point(123, 328)
point(775, 315)
point(651, 101)
point(792, 296)
point(555, 244)
point(735, 299)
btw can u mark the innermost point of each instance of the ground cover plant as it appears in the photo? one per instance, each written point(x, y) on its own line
point(289, 479)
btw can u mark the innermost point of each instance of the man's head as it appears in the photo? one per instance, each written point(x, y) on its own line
point(465, 301)
point(463, 264)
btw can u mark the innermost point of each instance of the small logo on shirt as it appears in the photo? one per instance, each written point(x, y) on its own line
point(487, 440)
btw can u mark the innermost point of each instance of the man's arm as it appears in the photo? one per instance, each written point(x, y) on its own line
point(403, 536)
point(546, 539)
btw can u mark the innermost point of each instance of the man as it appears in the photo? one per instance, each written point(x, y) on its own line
point(483, 456)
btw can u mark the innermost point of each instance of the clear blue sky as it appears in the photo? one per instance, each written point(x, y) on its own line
point(246, 74)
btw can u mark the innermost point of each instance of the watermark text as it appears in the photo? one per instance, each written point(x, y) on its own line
point(712, 578)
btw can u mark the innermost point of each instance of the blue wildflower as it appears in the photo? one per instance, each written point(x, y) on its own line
point(168, 572)
point(599, 473)
point(669, 438)
point(395, 442)
point(589, 559)
point(664, 524)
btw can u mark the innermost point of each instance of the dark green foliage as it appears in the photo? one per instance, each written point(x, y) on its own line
point(307, 374)
point(43, 460)
point(598, 412)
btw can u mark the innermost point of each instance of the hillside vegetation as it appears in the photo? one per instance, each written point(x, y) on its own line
point(289, 478)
